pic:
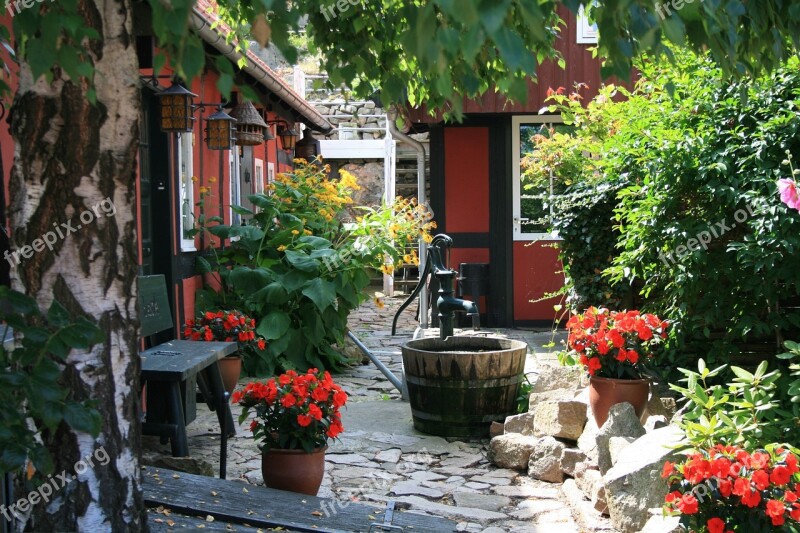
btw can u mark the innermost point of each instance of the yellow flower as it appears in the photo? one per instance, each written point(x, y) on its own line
point(379, 296)
point(205, 190)
point(387, 269)
point(295, 232)
point(281, 248)
point(212, 179)
point(427, 238)
point(307, 231)
point(406, 258)
point(195, 179)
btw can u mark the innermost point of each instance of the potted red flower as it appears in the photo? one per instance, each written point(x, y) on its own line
point(726, 488)
point(227, 326)
point(615, 348)
point(295, 416)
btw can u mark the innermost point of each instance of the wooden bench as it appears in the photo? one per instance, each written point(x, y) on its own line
point(174, 371)
point(231, 502)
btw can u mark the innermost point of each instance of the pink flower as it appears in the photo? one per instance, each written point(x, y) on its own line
point(789, 193)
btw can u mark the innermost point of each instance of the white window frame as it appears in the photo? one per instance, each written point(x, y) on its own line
point(186, 172)
point(235, 187)
point(516, 122)
point(586, 31)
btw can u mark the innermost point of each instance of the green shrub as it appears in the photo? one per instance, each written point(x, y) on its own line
point(748, 410)
point(299, 270)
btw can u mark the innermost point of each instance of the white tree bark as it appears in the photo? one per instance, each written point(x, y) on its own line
point(72, 160)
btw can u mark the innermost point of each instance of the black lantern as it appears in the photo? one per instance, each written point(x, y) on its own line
point(288, 137)
point(177, 109)
point(308, 147)
point(220, 131)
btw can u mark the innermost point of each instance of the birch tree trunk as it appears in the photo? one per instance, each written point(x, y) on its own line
point(73, 185)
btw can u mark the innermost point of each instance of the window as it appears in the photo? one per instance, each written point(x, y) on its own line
point(532, 210)
point(586, 31)
point(186, 169)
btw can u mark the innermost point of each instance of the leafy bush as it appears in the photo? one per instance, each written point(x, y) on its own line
point(748, 411)
point(299, 270)
point(35, 401)
point(689, 161)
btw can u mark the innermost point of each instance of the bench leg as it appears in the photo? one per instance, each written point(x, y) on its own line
point(219, 402)
point(180, 444)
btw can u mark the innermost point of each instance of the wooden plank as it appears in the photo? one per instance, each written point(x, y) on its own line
point(237, 503)
point(178, 360)
point(161, 523)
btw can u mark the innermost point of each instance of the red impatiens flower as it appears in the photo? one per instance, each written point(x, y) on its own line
point(668, 469)
point(301, 411)
point(716, 525)
point(610, 343)
point(687, 504)
point(761, 479)
point(776, 510)
point(780, 475)
point(751, 498)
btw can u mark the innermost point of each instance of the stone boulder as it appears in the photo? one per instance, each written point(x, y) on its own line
point(511, 450)
point(543, 463)
point(519, 424)
point(622, 422)
point(558, 377)
point(563, 419)
point(550, 396)
point(496, 429)
point(616, 445)
point(587, 442)
point(655, 422)
point(570, 459)
point(663, 524)
point(634, 484)
point(590, 482)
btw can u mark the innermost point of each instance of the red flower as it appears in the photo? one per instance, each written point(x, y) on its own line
point(752, 498)
point(725, 487)
point(209, 315)
point(236, 396)
point(795, 512)
point(790, 496)
point(339, 399)
point(633, 356)
point(261, 344)
point(780, 475)
point(687, 504)
point(315, 412)
point(791, 463)
point(668, 469)
point(303, 420)
point(759, 460)
point(672, 496)
point(209, 335)
point(253, 425)
point(741, 486)
point(697, 470)
point(320, 394)
point(776, 510)
point(594, 365)
point(288, 401)
point(716, 525)
point(615, 338)
point(761, 479)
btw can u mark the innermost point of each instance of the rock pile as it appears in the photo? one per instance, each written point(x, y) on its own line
point(612, 470)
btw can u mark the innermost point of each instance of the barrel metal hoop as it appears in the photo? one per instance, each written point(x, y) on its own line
point(459, 383)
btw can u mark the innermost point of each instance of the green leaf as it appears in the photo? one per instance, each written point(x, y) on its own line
point(82, 418)
point(274, 325)
point(301, 261)
point(321, 292)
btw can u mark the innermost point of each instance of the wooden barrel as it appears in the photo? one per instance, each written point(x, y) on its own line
point(457, 387)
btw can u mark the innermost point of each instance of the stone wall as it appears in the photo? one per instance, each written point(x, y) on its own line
point(369, 173)
point(355, 118)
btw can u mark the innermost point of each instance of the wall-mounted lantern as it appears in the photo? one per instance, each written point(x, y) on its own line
point(177, 109)
point(308, 147)
point(288, 137)
point(220, 130)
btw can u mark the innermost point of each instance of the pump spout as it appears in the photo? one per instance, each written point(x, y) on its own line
point(447, 305)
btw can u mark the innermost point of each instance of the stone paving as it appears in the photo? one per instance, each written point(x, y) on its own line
point(380, 457)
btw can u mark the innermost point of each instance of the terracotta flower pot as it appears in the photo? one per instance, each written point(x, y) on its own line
point(231, 368)
point(294, 470)
point(606, 392)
